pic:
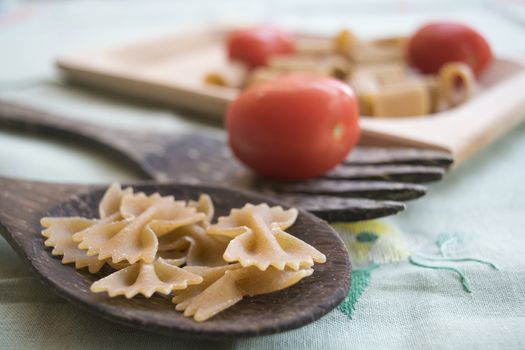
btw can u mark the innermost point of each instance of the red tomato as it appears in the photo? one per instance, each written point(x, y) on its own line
point(295, 127)
point(255, 45)
point(438, 43)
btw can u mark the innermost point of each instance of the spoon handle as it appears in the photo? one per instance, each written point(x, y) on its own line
point(128, 144)
point(21, 206)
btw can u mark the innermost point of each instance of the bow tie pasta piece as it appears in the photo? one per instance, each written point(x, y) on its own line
point(261, 241)
point(177, 249)
point(204, 205)
point(164, 213)
point(235, 284)
point(236, 223)
point(182, 298)
point(97, 235)
point(118, 266)
point(59, 232)
point(146, 279)
point(135, 238)
point(264, 247)
point(159, 208)
point(203, 249)
point(110, 203)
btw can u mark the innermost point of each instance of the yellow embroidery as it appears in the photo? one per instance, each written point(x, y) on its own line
point(373, 241)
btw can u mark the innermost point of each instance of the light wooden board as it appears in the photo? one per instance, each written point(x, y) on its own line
point(169, 70)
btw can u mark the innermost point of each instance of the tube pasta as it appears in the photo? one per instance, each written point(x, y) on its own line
point(330, 65)
point(232, 75)
point(314, 46)
point(405, 98)
point(448, 77)
point(261, 75)
point(377, 69)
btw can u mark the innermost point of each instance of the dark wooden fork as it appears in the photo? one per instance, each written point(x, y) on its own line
point(372, 182)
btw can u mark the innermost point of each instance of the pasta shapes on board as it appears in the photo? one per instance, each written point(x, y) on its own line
point(259, 238)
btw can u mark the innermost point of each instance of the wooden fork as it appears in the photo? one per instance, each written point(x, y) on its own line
point(372, 182)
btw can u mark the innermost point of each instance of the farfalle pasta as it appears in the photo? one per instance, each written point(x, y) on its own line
point(157, 244)
point(259, 238)
point(142, 278)
point(59, 232)
point(202, 249)
point(135, 237)
point(233, 285)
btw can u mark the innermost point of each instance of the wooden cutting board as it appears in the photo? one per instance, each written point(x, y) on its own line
point(169, 70)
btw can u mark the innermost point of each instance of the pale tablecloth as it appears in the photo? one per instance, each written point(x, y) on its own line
point(405, 306)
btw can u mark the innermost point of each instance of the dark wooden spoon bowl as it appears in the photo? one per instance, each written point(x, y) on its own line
point(22, 204)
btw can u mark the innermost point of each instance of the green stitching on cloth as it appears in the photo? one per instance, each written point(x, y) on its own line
point(439, 258)
point(450, 242)
point(369, 243)
point(376, 242)
point(447, 243)
point(464, 280)
point(367, 236)
point(360, 282)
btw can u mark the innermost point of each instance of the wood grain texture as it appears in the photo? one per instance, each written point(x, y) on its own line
point(379, 174)
point(352, 189)
point(402, 172)
point(334, 209)
point(395, 155)
point(22, 204)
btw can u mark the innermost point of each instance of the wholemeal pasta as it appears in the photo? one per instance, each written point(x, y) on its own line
point(59, 232)
point(135, 237)
point(156, 244)
point(385, 83)
point(201, 248)
point(162, 276)
point(233, 285)
point(259, 239)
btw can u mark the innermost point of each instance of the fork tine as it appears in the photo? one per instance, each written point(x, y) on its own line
point(403, 173)
point(358, 189)
point(334, 209)
point(414, 156)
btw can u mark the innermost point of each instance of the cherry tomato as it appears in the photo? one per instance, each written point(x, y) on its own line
point(438, 43)
point(295, 127)
point(255, 45)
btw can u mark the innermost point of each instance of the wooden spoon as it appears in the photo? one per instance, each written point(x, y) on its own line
point(23, 203)
point(372, 182)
